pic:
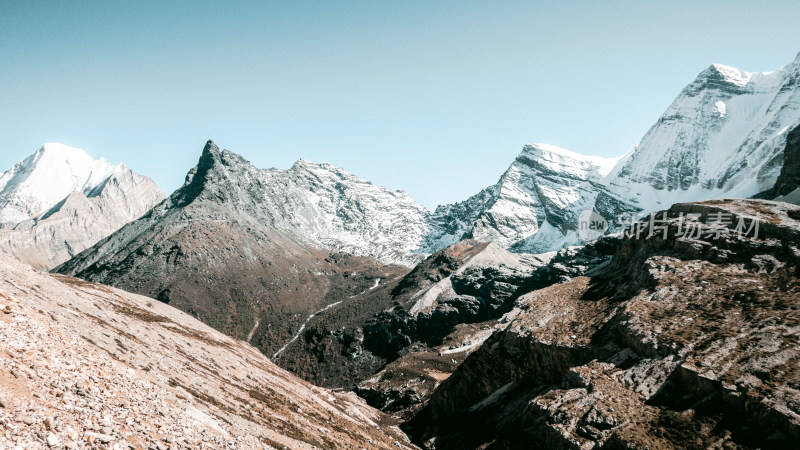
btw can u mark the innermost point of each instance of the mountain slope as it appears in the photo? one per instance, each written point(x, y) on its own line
point(223, 248)
point(88, 366)
point(60, 201)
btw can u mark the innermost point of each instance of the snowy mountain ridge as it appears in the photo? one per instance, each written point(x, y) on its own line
point(59, 201)
point(41, 180)
point(723, 136)
point(324, 204)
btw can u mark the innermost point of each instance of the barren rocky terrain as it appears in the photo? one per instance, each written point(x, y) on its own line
point(87, 366)
point(688, 340)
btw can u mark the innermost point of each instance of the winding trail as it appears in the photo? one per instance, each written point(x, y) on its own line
point(303, 327)
point(250, 334)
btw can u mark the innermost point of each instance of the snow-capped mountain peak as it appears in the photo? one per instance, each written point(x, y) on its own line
point(46, 177)
point(723, 136)
point(733, 75)
point(60, 200)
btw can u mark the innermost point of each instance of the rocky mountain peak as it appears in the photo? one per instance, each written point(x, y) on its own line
point(210, 154)
point(731, 75)
point(552, 159)
point(217, 177)
point(302, 163)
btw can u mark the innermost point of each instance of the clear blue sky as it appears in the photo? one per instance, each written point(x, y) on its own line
point(435, 98)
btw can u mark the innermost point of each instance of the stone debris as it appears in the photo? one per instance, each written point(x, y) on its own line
point(87, 366)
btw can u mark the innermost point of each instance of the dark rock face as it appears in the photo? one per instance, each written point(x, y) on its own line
point(679, 341)
point(482, 294)
point(789, 179)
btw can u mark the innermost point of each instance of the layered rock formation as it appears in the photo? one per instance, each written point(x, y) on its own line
point(60, 201)
point(88, 366)
point(687, 338)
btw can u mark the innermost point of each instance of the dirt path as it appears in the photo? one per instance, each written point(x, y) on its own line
point(302, 327)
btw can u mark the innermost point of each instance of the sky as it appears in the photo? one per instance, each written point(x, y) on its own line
point(434, 98)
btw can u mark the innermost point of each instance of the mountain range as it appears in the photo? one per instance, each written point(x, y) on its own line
point(278, 232)
point(484, 312)
point(723, 136)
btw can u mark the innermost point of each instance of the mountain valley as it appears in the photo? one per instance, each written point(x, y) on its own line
point(309, 308)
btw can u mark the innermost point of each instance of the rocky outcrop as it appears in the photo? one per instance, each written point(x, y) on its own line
point(403, 386)
point(88, 366)
point(789, 179)
point(60, 201)
point(482, 289)
point(687, 338)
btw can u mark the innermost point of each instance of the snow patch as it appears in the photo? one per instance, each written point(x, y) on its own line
point(721, 107)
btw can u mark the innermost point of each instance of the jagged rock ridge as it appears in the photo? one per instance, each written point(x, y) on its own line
point(316, 204)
